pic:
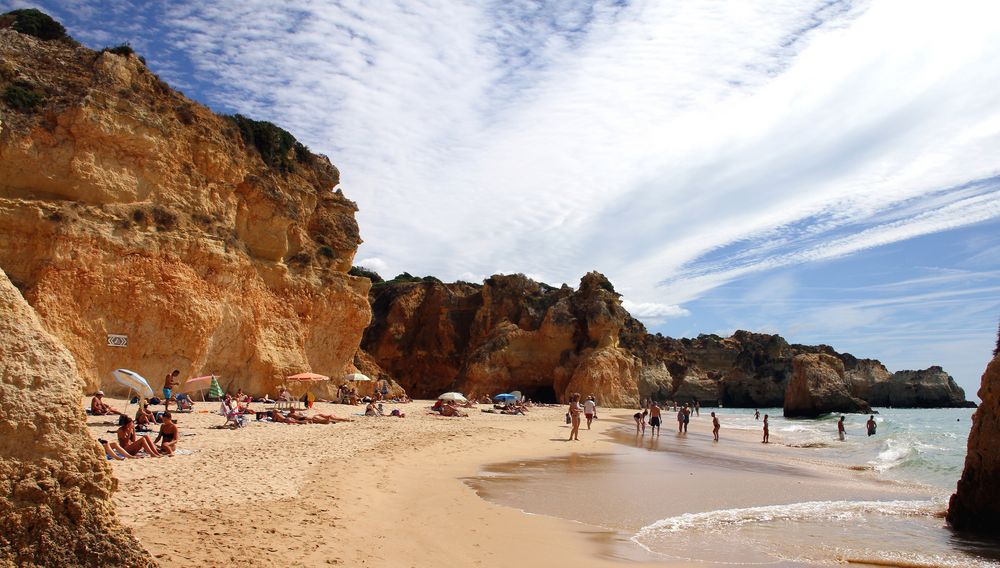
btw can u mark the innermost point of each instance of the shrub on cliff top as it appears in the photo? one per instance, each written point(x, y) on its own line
point(277, 147)
point(125, 50)
point(34, 23)
point(365, 273)
point(22, 96)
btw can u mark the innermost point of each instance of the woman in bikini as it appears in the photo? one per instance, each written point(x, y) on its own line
point(131, 443)
point(167, 438)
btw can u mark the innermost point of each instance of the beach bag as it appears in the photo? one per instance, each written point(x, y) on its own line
point(154, 401)
point(568, 419)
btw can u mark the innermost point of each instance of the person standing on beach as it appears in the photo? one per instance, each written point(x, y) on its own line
point(766, 433)
point(687, 417)
point(697, 408)
point(168, 387)
point(680, 420)
point(654, 419)
point(715, 427)
point(871, 425)
point(590, 410)
point(575, 409)
point(840, 429)
point(756, 414)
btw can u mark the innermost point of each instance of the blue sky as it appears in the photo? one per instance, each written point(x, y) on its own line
point(823, 169)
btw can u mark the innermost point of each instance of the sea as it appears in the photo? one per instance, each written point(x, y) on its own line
point(741, 509)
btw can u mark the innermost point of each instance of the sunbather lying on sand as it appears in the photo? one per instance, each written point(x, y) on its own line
point(317, 418)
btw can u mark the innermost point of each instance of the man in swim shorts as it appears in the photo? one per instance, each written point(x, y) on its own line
point(168, 385)
point(654, 419)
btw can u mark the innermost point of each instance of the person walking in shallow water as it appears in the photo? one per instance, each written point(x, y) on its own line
point(715, 427)
point(871, 425)
point(654, 419)
point(575, 409)
point(840, 429)
point(766, 433)
point(756, 414)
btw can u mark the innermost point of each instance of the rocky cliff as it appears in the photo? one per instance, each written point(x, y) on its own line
point(513, 333)
point(819, 385)
point(975, 506)
point(510, 333)
point(55, 485)
point(215, 244)
point(927, 388)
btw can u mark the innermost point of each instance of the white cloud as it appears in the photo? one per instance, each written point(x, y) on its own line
point(674, 146)
point(373, 263)
point(652, 312)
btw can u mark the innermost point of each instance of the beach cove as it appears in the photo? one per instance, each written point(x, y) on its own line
point(406, 492)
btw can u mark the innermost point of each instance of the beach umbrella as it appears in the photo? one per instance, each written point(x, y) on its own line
point(307, 377)
point(456, 396)
point(214, 389)
point(505, 398)
point(357, 377)
point(202, 383)
point(134, 381)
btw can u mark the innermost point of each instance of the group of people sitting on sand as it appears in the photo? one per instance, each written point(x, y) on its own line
point(131, 445)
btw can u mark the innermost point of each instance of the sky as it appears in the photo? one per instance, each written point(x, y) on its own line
point(827, 170)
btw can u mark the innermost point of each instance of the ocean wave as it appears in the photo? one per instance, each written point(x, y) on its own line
point(805, 511)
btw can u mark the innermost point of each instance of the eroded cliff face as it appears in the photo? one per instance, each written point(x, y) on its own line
point(511, 333)
point(126, 208)
point(55, 485)
point(819, 386)
point(975, 506)
point(927, 388)
point(754, 369)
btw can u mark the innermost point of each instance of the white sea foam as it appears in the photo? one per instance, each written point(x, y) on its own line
point(806, 511)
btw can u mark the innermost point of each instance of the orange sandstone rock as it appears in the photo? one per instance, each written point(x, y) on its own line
point(975, 506)
point(126, 208)
point(55, 484)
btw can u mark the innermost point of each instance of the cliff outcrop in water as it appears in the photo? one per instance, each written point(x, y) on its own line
point(819, 385)
point(975, 506)
point(510, 333)
point(928, 388)
point(55, 485)
point(215, 244)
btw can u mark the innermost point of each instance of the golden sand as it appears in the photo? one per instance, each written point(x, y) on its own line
point(383, 491)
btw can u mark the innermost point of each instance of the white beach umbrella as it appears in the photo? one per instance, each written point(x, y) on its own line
point(357, 377)
point(134, 381)
point(456, 396)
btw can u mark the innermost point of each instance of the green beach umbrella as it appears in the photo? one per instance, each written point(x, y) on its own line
point(214, 390)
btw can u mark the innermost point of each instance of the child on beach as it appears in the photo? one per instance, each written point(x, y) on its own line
point(639, 423)
point(715, 427)
point(766, 433)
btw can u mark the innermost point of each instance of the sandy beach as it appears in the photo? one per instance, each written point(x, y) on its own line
point(403, 492)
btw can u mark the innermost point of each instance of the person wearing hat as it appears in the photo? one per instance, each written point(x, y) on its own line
point(98, 407)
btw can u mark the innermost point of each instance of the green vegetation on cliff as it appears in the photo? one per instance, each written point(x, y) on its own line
point(277, 147)
point(34, 23)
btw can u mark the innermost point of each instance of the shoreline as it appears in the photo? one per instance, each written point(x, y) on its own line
point(387, 491)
